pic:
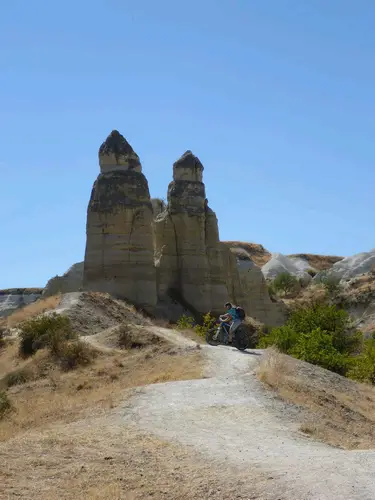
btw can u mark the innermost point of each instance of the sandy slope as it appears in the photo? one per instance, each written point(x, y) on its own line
point(229, 417)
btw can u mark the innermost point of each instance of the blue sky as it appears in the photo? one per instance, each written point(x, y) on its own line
point(276, 97)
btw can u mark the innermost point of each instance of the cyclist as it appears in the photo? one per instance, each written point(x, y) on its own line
point(231, 317)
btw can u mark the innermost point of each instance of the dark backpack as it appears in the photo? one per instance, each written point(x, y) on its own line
point(240, 313)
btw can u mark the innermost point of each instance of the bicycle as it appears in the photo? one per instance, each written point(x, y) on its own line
point(240, 337)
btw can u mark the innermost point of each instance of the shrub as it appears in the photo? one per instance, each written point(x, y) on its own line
point(362, 367)
point(311, 272)
point(330, 282)
point(17, 377)
point(72, 354)
point(284, 338)
point(44, 331)
point(317, 348)
point(132, 337)
point(208, 323)
point(185, 322)
point(2, 335)
point(321, 334)
point(336, 322)
point(285, 283)
point(5, 404)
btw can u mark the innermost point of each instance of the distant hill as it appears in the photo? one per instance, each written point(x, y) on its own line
point(260, 255)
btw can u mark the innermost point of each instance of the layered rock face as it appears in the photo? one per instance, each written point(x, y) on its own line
point(14, 298)
point(188, 255)
point(70, 281)
point(119, 257)
point(248, 288)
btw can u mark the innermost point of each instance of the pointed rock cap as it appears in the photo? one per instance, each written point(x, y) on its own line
point(188, 168)
point(117, 154)
point(188, 160)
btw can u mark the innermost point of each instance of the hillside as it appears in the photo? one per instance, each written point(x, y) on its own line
point(260, 255)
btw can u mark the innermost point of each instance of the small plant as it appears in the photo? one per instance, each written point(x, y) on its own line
point(330, 282)
point(208, 323)
point(2, 335)
point(44, 331)
point(311, 272)
point(285, 283)
point(17, 377)
point(185, 322)
point(5, 404)
point(73, 354)
point(363, 366)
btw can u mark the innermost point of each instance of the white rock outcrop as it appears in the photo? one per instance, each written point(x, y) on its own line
point(351, 267)
point(70, 281)
point(15, 298)
point(280, 263)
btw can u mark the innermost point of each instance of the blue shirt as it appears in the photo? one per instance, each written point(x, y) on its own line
point(233, 313)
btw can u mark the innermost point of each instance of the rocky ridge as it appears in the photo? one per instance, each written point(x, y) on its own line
point(164, 257)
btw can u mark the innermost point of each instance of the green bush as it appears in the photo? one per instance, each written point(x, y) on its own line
point(311, 272)
point(185, 322)
point(317, 348)
point(44, 331)
point(330, 319)
point(284, 338)
point(362, 367)
point(5, 404)
point(321, 334)
point(285, 283)
point(208, 323)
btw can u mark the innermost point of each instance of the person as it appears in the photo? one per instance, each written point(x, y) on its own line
point(231, 317)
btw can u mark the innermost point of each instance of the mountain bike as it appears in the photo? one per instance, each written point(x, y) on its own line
point(240, 338)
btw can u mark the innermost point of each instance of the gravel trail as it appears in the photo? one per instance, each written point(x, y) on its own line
point(229, 417)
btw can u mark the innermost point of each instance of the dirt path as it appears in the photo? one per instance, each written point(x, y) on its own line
point(230, 418)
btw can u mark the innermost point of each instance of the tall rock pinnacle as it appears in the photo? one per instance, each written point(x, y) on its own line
point(187, 243)
point(117, 154)
point(119, 257)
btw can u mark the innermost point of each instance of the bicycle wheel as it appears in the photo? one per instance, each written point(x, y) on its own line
point(241, 338)
point(209, 337)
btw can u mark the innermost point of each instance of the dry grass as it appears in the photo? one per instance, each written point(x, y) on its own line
point(257, 253)
point(106, 459)
point(31, 310)
point(260, 255)
point(319, 262)
point(338, 411)
point(66, 396)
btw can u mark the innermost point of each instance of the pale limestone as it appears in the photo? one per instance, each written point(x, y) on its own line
point(187, 249)
point(70, 281)
point(119, 257)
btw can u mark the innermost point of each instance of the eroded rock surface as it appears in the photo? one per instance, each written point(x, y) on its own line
point(247, 287)
point(188, 254)
point(119, 257)
point(14, 298)
point(70, 281)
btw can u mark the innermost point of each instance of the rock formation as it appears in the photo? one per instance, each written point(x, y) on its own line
point(119, 256)
point(158, 206)
point(70, 281)
point(163, 258)
point(247, 287)
point(12, 299)
point(188, 255)
point(282, 264)
point(351, 267)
